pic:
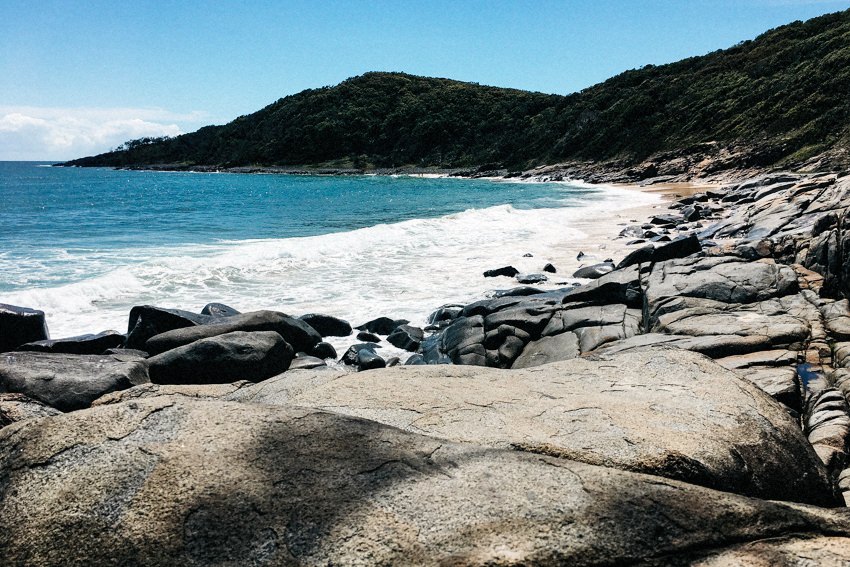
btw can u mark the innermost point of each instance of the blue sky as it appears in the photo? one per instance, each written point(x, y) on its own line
point(81, 77)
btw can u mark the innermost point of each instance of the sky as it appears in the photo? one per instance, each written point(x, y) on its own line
point(81, 77)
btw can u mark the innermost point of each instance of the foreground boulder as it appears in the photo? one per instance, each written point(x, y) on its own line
point(297, 333)
point(674, 414)
point(19, 325)
point(68, 382)
point(223, 358)
point(170, 481)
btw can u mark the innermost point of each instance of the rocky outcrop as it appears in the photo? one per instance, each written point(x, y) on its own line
point(17, 407)
point(68, 382)
point(147, 320)
point(673, 413)
point(326, 325)
point(167, 481)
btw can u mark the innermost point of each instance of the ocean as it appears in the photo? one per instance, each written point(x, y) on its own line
point(86, 245)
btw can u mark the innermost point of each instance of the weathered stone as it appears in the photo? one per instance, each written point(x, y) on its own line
point(368, 337)
point(219, 310)
point(323, 350)
point(671, 413)
point(18, 407)
point(237, 355)
point(67, 382)
point(169, 481)
point(786, 551)
point(526, 279)
point(594, 271)
point(382, 325)
point(548, 349)
point(150, 390)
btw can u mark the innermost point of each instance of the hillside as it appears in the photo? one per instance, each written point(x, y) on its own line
point(783, 96)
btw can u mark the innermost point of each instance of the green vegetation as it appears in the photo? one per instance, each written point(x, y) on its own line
point(787, 93)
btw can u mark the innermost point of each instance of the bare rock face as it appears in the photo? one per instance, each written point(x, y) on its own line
point(170, 481)
point(68, 382)
point(672, 413)
point(17, 407)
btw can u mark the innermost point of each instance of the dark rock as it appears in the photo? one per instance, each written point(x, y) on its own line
point(634, 231)
point(660, 238)
point(666, 220)
point(369, 360)
point(619, 286)
point(350, 356)
point(406, 337)
point(637, 241)
point(20, 325)
point(508, 271)
point(147, 321)
point(301, 336)
point(595, 271)
point(326, 325)
point(219, 310)
point(127, 353)
point(517, 292)
point(415, 360)
point(679, 248)
point(382, 325)
point(528, 255)
point(67, 382)
point(531, 278)
point(580, 255)
point(237, 355)
point(445, 313)
point(548, 349)
point(550, 269)
point(368, 337)
point(323, 350)
point(393, 361)
point(691, 213)
point(82, 344)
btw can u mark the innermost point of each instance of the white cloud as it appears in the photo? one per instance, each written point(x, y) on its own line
point(43, 133)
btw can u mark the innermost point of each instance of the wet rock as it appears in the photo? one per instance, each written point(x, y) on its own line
point(306, 362)
point(67, 382)
point(549, 268)
point(350, 356)
point(323, 350)
point(20, 325)
point(595, 271)
point(368, 337)
point(326, 325)
point(415, 360)
point(237, 355)
point(82, 344)
point(406, 337)
point(369, 360)
point(526, 279)
point(518, 292)
point(508, 271)
point(382, 325)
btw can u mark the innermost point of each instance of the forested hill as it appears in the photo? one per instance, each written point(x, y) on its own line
point(786, 93)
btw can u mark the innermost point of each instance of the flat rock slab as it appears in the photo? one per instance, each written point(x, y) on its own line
point(802, 552)
point(169, 481)
point(68, 382)
point(671, 413)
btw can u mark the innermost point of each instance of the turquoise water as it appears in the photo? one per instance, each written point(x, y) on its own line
point(87, 244)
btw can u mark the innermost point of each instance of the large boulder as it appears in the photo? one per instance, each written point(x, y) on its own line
point(297, 333)
point(237, 355)
point(19, 325)
point(168, 481)
point(672, 413)
point(382, 325)
point(147, 320)
point(68, 382)
point(326, 325)
point(81, 344)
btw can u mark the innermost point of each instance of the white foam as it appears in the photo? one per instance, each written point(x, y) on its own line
point(405, 269)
